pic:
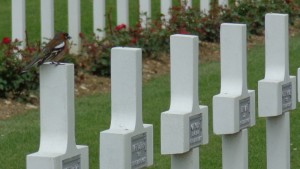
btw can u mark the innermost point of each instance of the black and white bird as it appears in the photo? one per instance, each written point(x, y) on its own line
point(54, 51)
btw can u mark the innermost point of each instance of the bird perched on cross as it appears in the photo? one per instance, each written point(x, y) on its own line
point(54, 51)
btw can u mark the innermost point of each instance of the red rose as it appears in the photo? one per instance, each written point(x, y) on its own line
point(6, 40)
point(133, 40)
point(119, 27)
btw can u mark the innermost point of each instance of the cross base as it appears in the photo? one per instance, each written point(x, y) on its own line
point(76, 159)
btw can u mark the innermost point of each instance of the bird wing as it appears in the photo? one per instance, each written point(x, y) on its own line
point(49, 52)
point(52, 49)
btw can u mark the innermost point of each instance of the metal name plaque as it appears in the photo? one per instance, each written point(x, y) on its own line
point(244, 113)
point(195, 130)
point(139, 151)
point(71, 163)
point(286, 97)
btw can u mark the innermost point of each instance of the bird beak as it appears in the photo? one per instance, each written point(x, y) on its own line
point(69, 37)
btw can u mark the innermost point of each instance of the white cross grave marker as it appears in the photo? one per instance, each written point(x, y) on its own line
point(165, 6)
point(234, 107)
point(74, 24)
point(47, 20)
point(58, 149)
point(145, 11)
point(185, 121)
point(277, 92)
point(18, 21)
point(99, 18)
point(128, 143)
point(205, 6)
point(122, 12)
point(187, 3)
point(223, 3)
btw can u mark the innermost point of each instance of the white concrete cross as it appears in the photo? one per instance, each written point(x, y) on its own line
point(99, 18)
point(277, 92)
point(223, 3)
point(205, 6)
point(123, 12)
point(187, 3)
point(128, 143)
point(185, 121)
point(47, 20)
point(165, 5)
point(74, 24)
point(58, 149)
point(145, 11)
point(234, 107)
point(18, 21)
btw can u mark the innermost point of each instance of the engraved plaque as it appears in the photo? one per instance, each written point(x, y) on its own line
point(71, 163)
point(139, 151)
point(244, 113)
point(195, 130)
point(286, 97)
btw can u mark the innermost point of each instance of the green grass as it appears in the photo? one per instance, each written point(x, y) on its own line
point(19, 135)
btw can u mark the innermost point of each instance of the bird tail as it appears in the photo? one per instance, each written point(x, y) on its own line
point(31, 64)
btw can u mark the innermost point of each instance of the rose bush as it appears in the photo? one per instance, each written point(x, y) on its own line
point(13, 83)
point(154, 38)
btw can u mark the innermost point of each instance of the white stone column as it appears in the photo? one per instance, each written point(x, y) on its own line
point(123, 12)
point(145, 11)
point(185, 121)
point(74, 24)
point(165, 5)
point(277, 92)
point(18, 21)
point(278, 141)
point(58, 149)
point(187, 3)
point(128, 143)
point(205, 6)
point(47, 20)
point(235, 150)
point(99, 18)
point(188, 160)
point(223, 3)
point(234, 107)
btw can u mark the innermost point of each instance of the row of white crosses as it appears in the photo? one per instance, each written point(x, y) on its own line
point(74, 14)
point(234, 107)
point(128, 143)
point(47, 22)
point(144, 10)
